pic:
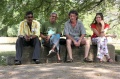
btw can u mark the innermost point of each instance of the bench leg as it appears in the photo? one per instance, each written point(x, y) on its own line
point(46, 60)
point(65, 58)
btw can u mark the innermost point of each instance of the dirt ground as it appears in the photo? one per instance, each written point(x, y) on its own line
point(75, 70)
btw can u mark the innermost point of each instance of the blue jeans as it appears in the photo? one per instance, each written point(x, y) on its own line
point(54, 40)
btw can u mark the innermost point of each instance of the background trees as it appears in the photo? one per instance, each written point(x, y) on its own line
point(13, 11)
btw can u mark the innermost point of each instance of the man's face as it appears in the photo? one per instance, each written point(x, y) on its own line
point(73, 17)
point(29, 18)
point(53, 18)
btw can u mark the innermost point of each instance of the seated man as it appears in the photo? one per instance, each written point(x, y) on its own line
point(28, 33)
point(50, 34)
point(75, 32)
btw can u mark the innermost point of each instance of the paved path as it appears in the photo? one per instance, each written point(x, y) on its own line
point(62, 71)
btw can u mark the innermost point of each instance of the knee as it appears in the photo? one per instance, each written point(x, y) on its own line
point(19, 40)
point(87, 42)
point(68, 41)
point(36, 40)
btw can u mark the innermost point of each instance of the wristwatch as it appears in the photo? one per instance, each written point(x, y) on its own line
point(21, 36)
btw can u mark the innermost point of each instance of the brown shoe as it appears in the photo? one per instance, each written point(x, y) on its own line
point(87, 60)
point(59, 61)
point(69, 61)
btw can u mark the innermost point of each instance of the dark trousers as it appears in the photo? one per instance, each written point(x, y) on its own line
point(21, 42)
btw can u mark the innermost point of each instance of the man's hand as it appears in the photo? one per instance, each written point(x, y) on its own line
point(47, 38)
point(27, 38)
point(76, 43)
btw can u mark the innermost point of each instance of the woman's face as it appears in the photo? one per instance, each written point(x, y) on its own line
point(98, 18)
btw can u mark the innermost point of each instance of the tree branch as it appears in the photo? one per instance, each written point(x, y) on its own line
point(98, 3)
point(38, 6)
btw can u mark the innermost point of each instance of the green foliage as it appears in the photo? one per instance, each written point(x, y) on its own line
point(3, 56)
point(13, 11)
point(12, 31)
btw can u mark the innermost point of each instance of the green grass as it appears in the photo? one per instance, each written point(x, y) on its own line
point(117, 52)
point(3, 56)
point(117, 48)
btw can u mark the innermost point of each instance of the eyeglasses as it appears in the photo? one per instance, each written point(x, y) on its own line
point(30, 17)
point(53, 16)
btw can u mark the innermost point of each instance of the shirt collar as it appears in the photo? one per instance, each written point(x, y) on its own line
point(26, 22)
point(70, 21)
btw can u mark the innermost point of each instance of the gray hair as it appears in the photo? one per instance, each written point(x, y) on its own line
point(53, 13)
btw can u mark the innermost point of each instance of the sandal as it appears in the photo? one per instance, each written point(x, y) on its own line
point(51, 53)
point(99, 60)
point(59, 61)
point(87, 60)
point(70, 61)
point(110, 60)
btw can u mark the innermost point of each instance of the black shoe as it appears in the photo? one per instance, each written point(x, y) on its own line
point(36, 61)
point(17, 62)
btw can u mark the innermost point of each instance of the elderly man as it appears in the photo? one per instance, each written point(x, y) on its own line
point(50, 33)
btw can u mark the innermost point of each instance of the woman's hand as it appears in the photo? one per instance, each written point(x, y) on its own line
point(102, 29)
point(113, 36)
point(102, 23)
point(102, 34)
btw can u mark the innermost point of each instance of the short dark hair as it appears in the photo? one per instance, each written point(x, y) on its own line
point(29, 12)
point(73, 12)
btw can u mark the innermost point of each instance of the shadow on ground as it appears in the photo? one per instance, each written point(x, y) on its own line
point(77, 70)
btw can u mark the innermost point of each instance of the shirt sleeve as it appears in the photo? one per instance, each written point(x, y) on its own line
point(20, 29)
point(37, 33)
point(42, 28)
point(66, 30)
point(93, 26)
point(82, 29)
point(106, 26)
point(59, 29)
